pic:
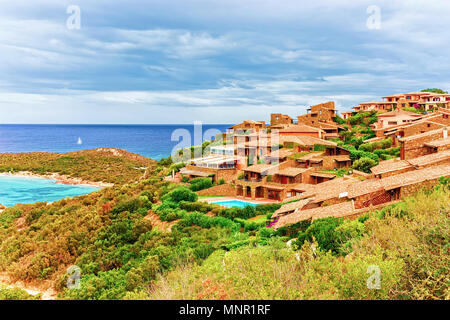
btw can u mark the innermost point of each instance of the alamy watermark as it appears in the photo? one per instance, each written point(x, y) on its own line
point(374, 20)
point(374, 280)
point(73, 281)
point(73, 22)
point(249, 146)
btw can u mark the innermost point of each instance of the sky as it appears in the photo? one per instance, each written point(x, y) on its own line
point(223, 61)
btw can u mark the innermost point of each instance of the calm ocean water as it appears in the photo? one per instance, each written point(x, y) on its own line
point(152, 141)
point(15, 190)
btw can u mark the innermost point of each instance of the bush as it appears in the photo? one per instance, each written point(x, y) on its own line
point(198, 184)
point(199, 206)
point(358, 154)
point(180, 194)
point(324, 232)
point(364, 164)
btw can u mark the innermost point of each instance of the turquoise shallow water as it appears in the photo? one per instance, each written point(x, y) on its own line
point(15, 190)
point(235, 203)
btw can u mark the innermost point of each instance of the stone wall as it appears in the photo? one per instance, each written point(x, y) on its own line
point(414, 148)
point(227, 174)
point(226, 190)
point(406, 191)
point(278, 118)
point(420, 127)
point(392, 173)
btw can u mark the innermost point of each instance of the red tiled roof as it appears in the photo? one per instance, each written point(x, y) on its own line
point(281, 153)
point(421, 135)
point(430, 158)
point(389, 166)
point(307, 141)
point(439, 143)
point(364, 187)
point(300, 128)
point(414, 177)
point(292, 206)
point(262, 167)
point(337, 210)
point(292, 172)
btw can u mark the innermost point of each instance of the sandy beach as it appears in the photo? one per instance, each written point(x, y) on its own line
point(59, 179)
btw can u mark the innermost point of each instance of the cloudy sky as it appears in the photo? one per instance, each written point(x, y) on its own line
point(177, 61)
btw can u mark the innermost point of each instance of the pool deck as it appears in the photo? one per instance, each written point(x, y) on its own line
point(215, 199)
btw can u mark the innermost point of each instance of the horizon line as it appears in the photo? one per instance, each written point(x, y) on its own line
point(115, 124)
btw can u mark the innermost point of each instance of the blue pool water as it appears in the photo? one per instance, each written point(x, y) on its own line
point(15, 190)
point(235, 203)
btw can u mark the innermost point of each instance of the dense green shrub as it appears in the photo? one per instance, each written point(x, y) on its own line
point(364, 164)
point(199, 206)
point(180, 194)
point(324, 232)
point(198, 184)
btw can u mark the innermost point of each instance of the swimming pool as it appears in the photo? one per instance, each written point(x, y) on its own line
point(14, 190)
point(235, 203)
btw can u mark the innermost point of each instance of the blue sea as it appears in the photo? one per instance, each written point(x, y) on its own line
point(153, 141)
point(15, 190)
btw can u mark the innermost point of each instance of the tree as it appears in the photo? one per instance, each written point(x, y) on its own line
point(434, 90)
point(364, 164)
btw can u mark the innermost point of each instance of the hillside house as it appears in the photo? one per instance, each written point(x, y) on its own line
point(324, 112)
point(419, 144)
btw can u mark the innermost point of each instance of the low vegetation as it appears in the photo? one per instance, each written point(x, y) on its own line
point(106, 165)
point(335, 259)
point(109, 236)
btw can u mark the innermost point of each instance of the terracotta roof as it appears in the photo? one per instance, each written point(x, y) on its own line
point(292, 172)
point(281, 153)
point(442, 110)
point(330, 189)
point(360, 173)
point(398, 112)
point(300, 128)
point(261, 143)
point(273, 187)
point(310, 156)
point(421, 135)
point(439, 143)
point(323, 175)
point(292, 206)
point(194, 173)
point(416, 176)
point(306, 141)
point(364, 187)
point(303, 187)
point(337, 210)
point(342, 158)
point(324, 125)
point(326, 190)
point(389, 166)
point(262, 168)
point(430, 158)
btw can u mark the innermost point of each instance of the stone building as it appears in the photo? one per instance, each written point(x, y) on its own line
point(416, 145)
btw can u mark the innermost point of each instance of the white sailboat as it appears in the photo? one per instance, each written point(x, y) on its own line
point(79, 141)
